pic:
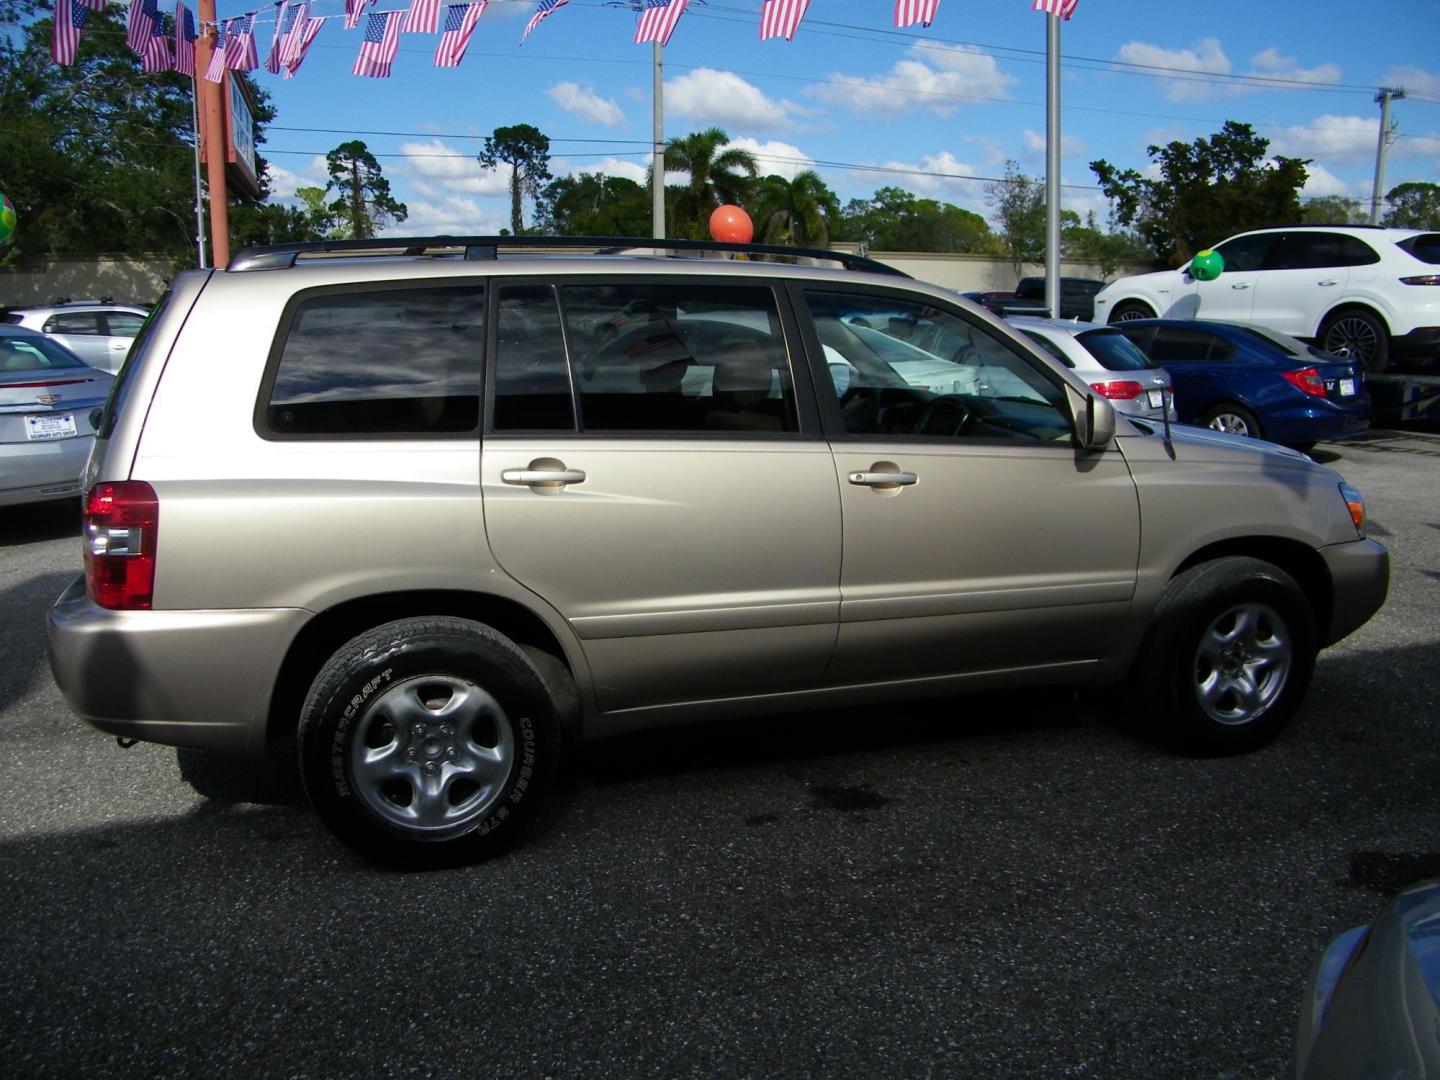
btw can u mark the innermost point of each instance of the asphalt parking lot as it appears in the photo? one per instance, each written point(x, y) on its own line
point(998, 886)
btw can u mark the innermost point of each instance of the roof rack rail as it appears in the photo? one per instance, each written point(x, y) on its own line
point(280, 256)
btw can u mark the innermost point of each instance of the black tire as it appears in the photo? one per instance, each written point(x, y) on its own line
point(1131, 309)
point(1232, 419)
point(1228, 657)
point(463, 739)
point(1359, 335)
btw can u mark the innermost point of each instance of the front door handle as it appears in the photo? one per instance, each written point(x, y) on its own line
point(882, 479)
point(542, 476)
point(1241, 285)
point(1330, 281)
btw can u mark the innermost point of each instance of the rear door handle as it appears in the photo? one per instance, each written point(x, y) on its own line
point(1331, 281)
point(882, 479)
point(542, 476)
point(1241, 285)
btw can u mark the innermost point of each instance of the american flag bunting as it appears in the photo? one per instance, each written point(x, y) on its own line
point(216, 71)
point(240, 43)
point(137, 24)
point(353, 10)
point(70, 16)
point(422, 18)
point(184, 40)
point(460, 20)
point(94, 5)
point(781, 18)
point(295, 57)
point(910, 12)
point(658, 20)
point(155, 52)
point(543, 10)
point(1063, 8)
point(296, 16)
point(377, 50)
point(285, 15)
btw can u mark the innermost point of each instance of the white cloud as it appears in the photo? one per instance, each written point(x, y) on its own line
point(1413, 78)
point(938, 176)
point(778, 158)
point(453, 170)
point(452, 215)
point(724, 98)
point(1346, 138)
point(1271, 63)
point(637, 170)
point(586, 104)
point(1321, 181)
point(1207, 57)
point(1034, 146)
point(283, 182)
point(939, 78)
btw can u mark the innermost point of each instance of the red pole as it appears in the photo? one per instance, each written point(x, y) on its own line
point(212, 127)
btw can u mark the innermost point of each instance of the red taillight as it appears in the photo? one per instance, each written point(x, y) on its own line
point(1422, 279)
point(1118, 391)
point(121, 524)
point(1306, 379)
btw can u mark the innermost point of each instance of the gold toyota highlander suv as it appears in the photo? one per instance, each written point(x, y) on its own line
point(433, 508)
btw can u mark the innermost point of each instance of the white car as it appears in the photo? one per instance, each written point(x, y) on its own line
point(1367, 293)
point(97, 331)
point(1105, 358)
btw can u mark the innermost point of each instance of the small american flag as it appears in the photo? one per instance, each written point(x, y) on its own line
point(155, 53)
point(658, 20)
point(216, 71)
point(300, 10)
point(422, 18)
point(137, 23)
point(781, 18)
point(240, 43)
point(909, 12)
point(285, 15)
point(69, 22)
point(296, 56)
point(94, 5)
point(184, 40)
point(460, 20)
point(542, 9)
point(377, 51)
point(353, 10)
point(1063, 8)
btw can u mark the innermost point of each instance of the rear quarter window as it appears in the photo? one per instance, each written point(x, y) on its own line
point(1425, 247)
point(382, 361)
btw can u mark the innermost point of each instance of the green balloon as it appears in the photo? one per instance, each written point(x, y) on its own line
point(7, 219)
point(1207, 265)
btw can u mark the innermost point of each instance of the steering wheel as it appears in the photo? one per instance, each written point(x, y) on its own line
point(946, 415)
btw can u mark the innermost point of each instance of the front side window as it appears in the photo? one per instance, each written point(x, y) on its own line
point(1245, 253)
point(678, 358)
point(384, 361)
point(905, 368)
point(73, 322)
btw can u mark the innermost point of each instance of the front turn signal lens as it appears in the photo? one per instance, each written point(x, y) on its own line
point(1355, 503)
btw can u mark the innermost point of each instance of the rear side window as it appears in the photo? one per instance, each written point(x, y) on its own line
point(1114, 350)
point(1180, 345)
point(123, 323)
point(1318, 250)
point(387, 361)
point(73, 322)
point(532, 375)
point(1425, 247)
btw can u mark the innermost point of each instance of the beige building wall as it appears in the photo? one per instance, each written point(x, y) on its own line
point(138, 279)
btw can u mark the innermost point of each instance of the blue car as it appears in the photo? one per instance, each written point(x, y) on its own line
point(1251, 381)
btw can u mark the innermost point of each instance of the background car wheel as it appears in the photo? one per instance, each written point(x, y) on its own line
point(424, 739)
point(1233, 419)
point(1228, 657)
point(1358, 335)
point(1131, 309)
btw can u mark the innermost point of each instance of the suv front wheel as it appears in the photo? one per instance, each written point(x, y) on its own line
point(423, 739)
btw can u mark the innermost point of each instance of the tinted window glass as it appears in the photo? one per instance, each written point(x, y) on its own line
point(123, 323)
point(34, 354)
point(1114, 350)
point(1049, 346)
point(689, 357)
point(1179, 345)
point(1245, 252)
point(1139, 336)
point(388, 361)
point(1425, 247)
point(901, 368)
point(73, 322)
point(532, 377)
point(1318, 250)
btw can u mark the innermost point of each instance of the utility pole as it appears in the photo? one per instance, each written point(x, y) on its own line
point(1052, 164)
point(657, 177)
point(212, 118)
point(1384, 97)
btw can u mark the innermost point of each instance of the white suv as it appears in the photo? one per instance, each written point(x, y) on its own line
point(1371, 294)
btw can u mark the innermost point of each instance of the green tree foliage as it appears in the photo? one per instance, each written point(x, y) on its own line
point(1334, 210)
point(527, 151)
point(894, 219)
point(1106, 250)
point(716, 177)
point(365, 205)
point(1206, 190)
point(1414, 206)
point(796, 212)
point(1018, 206)
point(97, 156)
point(593, 204)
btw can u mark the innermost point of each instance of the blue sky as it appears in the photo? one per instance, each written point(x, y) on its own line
point(868, 106)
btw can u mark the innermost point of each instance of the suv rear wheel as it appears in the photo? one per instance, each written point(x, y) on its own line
point(424, 738)
point(1229, 655)
point(1359, 335)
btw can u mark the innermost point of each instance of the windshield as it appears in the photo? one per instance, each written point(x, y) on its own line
point(1114, 350)
point(26, 353)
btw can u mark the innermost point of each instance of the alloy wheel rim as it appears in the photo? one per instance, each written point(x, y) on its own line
point(1352, 337)
point(1230, 424)
point(1242, 664)
point(432, 754)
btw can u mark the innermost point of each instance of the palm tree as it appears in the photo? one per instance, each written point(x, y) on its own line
point(796, 211)
point(716, 176)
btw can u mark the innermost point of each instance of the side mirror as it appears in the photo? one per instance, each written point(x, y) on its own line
point(1093, 417)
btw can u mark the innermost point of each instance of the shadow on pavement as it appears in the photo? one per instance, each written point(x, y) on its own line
point(32, 523)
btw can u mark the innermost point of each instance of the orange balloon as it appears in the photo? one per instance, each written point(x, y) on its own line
point(731, 225)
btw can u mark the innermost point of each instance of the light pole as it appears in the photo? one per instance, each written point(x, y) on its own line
point(657, 178)
point(1384, 97)
point(1052, 164)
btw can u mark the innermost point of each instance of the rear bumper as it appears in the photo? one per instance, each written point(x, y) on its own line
point(1360, 574)
point(37, 471)
point(1316, 420)
point(197, 679)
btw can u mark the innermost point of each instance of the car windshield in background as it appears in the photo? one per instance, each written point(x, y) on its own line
point(1114, 350)
point(34, 354)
